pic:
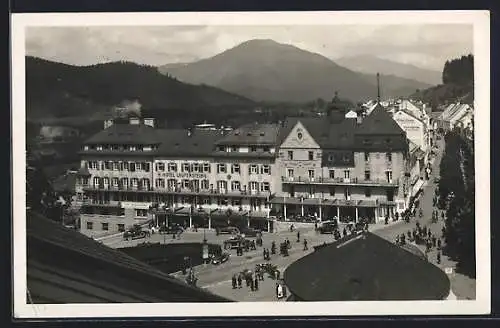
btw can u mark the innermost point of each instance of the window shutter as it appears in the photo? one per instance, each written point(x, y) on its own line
point(249, 169)
point(269, 169)
point(232, 168)
point(261, 169)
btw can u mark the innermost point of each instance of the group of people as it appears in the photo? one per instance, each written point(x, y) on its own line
point(422, 235)
point(251, 279)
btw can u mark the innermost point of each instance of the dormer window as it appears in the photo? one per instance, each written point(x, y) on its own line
point(253, 149)
point(221, 148)
point(132, 148)
point(99, 148)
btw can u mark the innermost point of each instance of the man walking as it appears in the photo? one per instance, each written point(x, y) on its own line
point(305, 245)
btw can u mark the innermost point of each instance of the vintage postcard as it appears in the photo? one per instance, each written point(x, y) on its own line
point(284, 164)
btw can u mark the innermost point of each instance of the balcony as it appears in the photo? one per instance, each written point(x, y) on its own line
point(117, 188)
point(182, 191)
point(341, 181)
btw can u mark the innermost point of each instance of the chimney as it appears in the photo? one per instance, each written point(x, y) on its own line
point(378, 87)
point(134, 121)
point(150, 122)
point(108, 123)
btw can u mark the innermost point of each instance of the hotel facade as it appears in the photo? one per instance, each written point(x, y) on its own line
point(133, 172)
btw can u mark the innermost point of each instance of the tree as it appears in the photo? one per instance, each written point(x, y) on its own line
point(456, 195)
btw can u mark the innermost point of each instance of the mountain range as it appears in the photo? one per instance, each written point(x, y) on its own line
point(370, 64)
point(60, 90)
point(265, 70)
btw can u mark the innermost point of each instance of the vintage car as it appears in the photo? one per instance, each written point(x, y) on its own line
point(250, 232)
point(235, 242)
point(219, 259)
point(328, 227)
point(136, 232)
point(227, 230)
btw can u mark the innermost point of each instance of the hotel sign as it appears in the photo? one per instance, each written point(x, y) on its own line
point(182, 175)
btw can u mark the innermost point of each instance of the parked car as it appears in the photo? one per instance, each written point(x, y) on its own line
point(250, 232)
point(227, 230)
point(328, 227)
point(135, 232)
point(219, 259)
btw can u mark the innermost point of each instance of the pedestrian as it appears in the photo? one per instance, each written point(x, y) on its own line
point(429, 233)
point(264, 254)
point(252, 284)
point(397, 240)
point(256, 283)
point(439, 244)
point(403, 241)
point(315, 226)
point(434, 241)
point(305, 245)
point(233, 281)
point(278, 273)
point(344, 233)
point(298, 236)
point(239, 281)
point(438, 257)
point(442, 215)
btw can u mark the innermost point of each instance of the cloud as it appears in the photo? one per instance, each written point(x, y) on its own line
point(423, 45)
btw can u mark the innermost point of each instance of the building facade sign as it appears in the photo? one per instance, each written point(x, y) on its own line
point(182, 175)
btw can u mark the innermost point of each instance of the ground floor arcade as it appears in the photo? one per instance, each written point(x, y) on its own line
point(346, 211)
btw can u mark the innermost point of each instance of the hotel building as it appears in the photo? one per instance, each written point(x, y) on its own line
point(132, 172)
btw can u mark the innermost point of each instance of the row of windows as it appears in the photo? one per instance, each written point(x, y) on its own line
point(174, 183)
point(172, 167)
point(331, 174)
point(116, 182)
point(105, 226)
point(121, 147)
point(118, 166)
point(252, 149)
point(331, 157)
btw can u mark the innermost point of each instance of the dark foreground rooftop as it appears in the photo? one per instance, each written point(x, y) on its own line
point(365, 268)
point(67, 267)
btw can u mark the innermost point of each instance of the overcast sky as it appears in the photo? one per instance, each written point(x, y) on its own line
point(426, 46)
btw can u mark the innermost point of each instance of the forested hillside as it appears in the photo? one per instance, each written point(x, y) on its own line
point(60, 90)
point(457, 84)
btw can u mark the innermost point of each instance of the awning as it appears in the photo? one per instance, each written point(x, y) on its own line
point(285, 200)
point(367, 203)
point(417, 186)
point(344, 202)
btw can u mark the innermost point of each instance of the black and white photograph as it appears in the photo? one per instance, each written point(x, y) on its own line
point(280, 163)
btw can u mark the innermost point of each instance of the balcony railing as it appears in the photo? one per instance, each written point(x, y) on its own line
point(340, 181)
point(181, 190)
point(117, 188)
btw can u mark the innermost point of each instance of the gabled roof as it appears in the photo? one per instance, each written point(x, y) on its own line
point(316, 126)
point(65, 266)
point(365, 268)
point(252, 134)
point(379, 122)
point(118, 133)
